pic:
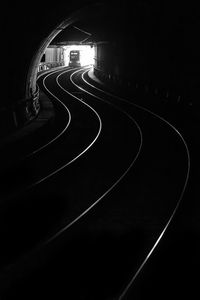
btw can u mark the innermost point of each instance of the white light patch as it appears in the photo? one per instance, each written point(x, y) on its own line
point(86, 54)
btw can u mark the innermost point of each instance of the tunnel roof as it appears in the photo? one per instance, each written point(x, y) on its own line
point(116, 20)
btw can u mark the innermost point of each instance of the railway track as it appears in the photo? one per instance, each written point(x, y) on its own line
point(112, 156)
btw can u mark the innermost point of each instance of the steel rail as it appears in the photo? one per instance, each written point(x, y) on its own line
point(38, 247)
point(82, 152)
point(130, 283)
point(39, 181)
point(57, 99)
point(117, 181)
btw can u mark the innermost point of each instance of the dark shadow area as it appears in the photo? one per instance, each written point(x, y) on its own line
point(148, 53)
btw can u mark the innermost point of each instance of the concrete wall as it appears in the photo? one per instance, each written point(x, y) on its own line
point(160, 49)
point(52, 57)
point(163, 41)
point(28, 29)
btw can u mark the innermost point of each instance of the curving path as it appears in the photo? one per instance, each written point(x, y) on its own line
point(68, 175)
point(117, 174)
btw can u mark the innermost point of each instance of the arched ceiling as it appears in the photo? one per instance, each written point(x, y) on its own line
point(106, 21)
point(121, 20)
point(149, 22)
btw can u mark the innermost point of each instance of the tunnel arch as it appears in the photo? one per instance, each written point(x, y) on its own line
point(27, 37)
point(77, 15)
point(29, 32)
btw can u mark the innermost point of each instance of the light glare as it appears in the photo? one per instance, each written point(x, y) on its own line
point(86, 54)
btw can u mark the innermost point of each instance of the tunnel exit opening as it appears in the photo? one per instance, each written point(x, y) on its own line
point(86, 52)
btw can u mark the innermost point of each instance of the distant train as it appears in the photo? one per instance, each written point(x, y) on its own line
point(74, 58)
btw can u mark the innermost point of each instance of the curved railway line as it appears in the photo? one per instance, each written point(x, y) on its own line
point(123, 294)
point(109, 149)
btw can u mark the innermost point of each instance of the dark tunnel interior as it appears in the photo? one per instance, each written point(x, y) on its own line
point(137, 95)
point(161, 39)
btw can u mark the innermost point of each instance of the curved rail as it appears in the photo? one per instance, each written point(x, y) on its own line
point(133, 160)
point(117, 181)
point(82, 152)
point(128, 286)
point(65, 107)
point(30, 186)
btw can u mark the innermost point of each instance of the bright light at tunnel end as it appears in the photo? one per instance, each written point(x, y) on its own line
point(86, 54)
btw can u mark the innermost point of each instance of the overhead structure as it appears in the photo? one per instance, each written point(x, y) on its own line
point(157, 36)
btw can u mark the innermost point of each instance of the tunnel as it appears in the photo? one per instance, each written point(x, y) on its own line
point(99, 98)
point(161, 41)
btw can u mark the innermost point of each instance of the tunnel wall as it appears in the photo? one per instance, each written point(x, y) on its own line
point(53, 57)
point(162, 44)
point(130, 66)
point(160, 52)
point(28, 29)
